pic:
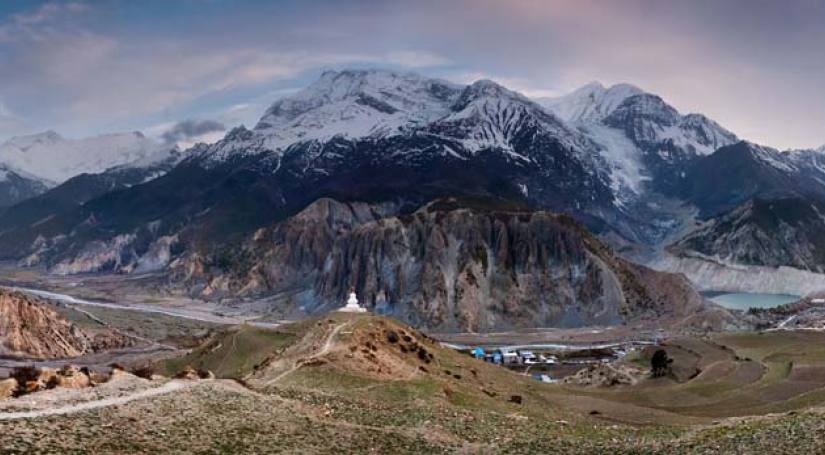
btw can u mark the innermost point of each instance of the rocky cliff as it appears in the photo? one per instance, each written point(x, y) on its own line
point(451, 265)
point(30, 329)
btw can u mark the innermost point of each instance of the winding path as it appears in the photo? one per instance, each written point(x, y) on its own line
point(169, 387)
point(328, 343)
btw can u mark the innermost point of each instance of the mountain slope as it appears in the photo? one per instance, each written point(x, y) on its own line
point(782, 231)
point(591, 103)
point(739, 172)
point(623, 162)
point(356, 104)
point(647, 142)
point(452, 265)
point(761, 211)
point(42, 220)
point(16, 186)
point(488, 142)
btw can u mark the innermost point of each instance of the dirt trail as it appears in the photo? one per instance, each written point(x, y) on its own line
point(169, 387)
point(328, 343)
point(230, 352)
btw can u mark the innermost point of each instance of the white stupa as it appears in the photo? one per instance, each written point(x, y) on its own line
point(352, 305)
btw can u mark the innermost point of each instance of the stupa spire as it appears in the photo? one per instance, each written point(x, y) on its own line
point(352, 305)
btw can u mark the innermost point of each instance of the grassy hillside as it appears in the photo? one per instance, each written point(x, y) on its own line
point(233, 353)
point(363, 384)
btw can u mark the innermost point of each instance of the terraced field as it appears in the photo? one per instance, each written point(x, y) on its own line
point(734, 375)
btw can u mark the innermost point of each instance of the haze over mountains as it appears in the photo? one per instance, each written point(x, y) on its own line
point(621, 161)
point(32, 164)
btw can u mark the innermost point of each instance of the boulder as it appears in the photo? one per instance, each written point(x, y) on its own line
point(7, 388)
point(187, 373)
point(71, 377)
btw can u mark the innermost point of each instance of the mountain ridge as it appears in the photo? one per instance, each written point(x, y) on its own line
point(634, 169)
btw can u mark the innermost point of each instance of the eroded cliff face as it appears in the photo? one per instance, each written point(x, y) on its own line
point(30, 329)
point(444, 267)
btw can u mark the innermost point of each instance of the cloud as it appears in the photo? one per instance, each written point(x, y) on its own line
point(516, 84)
point(416, 59)
point(10, 123)
point(87, 68)
point(188, 130)
point(40, 24)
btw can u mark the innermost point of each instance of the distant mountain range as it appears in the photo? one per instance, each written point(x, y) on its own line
point(53, 158)
point(623, 162)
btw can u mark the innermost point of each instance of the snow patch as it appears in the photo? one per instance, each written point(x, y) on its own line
point(591, 103)
point(627, 172)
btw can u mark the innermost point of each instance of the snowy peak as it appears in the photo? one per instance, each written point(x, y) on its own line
point(487, 115)
point(356, 103)
point(590, 103)
point(486, 89)
point(645, 118)
point(51, 157)
point(646, 107)
point(704, 134)
point(655, 126)
point(238, 142)
point(40, 139)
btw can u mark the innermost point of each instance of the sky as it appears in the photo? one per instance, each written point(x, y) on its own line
point(181, 70)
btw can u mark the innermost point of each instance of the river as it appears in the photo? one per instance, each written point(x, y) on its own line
point(189, 312)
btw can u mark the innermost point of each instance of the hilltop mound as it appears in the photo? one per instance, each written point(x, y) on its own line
point(342, 352)
point(372, 347)
point(30, 329)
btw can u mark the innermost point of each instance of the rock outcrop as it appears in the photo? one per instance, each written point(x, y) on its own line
point(606, 375)
point(30, 329)
point(451, 265)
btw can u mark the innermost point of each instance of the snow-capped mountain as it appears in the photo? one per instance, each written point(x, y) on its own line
point(645, 118)
point(480, 140)
point(16, 186)
point(620, 160)
point(356, 104)
point(352, 119)
point(54, 158)
point(488, 116)
point(590, 103)
point(646, 142)
point(650, 122)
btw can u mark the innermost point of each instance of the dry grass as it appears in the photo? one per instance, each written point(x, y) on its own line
point(341, 385)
